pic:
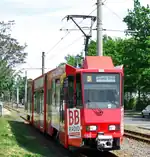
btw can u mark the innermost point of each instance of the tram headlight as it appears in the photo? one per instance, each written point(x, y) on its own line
point(112, 127)
point(115, 127)
point(91, 128)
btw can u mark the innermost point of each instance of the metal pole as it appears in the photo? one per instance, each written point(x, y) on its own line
point(99, 28)
point(43, 62)
point(17, 92)
point(25, 96)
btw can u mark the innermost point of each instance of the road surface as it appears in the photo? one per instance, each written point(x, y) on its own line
point(137, 121)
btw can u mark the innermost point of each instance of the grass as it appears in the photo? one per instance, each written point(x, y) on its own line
point(132, 113)
point(17, 140)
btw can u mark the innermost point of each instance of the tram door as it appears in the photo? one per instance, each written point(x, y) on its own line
point(63, 103)
point(68, 136)
point(74, 111)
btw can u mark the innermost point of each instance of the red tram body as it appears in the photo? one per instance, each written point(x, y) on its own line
point(82, 107)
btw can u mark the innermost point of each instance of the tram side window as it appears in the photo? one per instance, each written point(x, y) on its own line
point(63, 98)
point(35, 101)
point(122, 91)
point(70, 91)
point(49, 98)
point(78, 90)
point(38, 102)
point(61, 104)
point(57, 92)
point(53, 93)
point(49, 101)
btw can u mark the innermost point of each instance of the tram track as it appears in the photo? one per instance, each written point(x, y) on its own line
point(137, 136)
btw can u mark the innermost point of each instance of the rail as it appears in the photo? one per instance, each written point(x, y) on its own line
point(137, 136)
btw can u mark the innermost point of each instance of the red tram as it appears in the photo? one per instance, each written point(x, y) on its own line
point(82, 107)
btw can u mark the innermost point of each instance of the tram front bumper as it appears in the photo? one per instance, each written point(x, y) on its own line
point(104, 141)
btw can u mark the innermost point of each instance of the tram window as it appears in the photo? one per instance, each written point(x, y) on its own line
point(78, 90)
point(61, 104)
point(63, 98)
point(49, 99)
point(57, 92)
point(35, 101)
point(70, 91)
point(38, 102)
point(122, 91)
point(65, 90)
point(53, 93)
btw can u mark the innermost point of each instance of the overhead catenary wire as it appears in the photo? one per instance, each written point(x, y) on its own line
point(112, 11)
point(66, 47)
point(54, 55)
point(68, 32)
point(57, 43)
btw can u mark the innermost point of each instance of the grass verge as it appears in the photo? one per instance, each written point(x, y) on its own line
point(132, 113)
point(18, 140)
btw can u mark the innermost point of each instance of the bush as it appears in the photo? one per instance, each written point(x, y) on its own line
point(131, 105)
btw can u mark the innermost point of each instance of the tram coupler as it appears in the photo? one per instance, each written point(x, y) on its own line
point(104, 141)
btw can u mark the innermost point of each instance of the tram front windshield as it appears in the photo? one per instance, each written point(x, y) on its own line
point(101, 90)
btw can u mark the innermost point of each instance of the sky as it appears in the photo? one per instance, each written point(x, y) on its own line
point(38, 24)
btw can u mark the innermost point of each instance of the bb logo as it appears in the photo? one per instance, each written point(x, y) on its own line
point(73, 117)
point(74, 123)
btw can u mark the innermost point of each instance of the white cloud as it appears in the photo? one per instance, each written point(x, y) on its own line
point(38, 23)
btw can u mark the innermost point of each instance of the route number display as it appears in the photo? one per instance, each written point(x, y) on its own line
point(74, 124)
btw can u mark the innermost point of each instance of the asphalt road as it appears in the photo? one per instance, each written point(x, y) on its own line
point(137, 121)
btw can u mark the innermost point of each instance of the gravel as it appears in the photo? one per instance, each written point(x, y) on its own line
point(133, 148)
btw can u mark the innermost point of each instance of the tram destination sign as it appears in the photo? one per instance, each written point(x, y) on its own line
point(105, 78)
point(100, 78)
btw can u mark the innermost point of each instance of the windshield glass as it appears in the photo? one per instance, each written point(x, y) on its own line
point(101, 90)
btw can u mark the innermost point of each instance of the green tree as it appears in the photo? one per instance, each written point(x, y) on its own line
point(10, 49)
point(111, 47)
point(73, 59)
point(11, 54)
point(138, 55)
